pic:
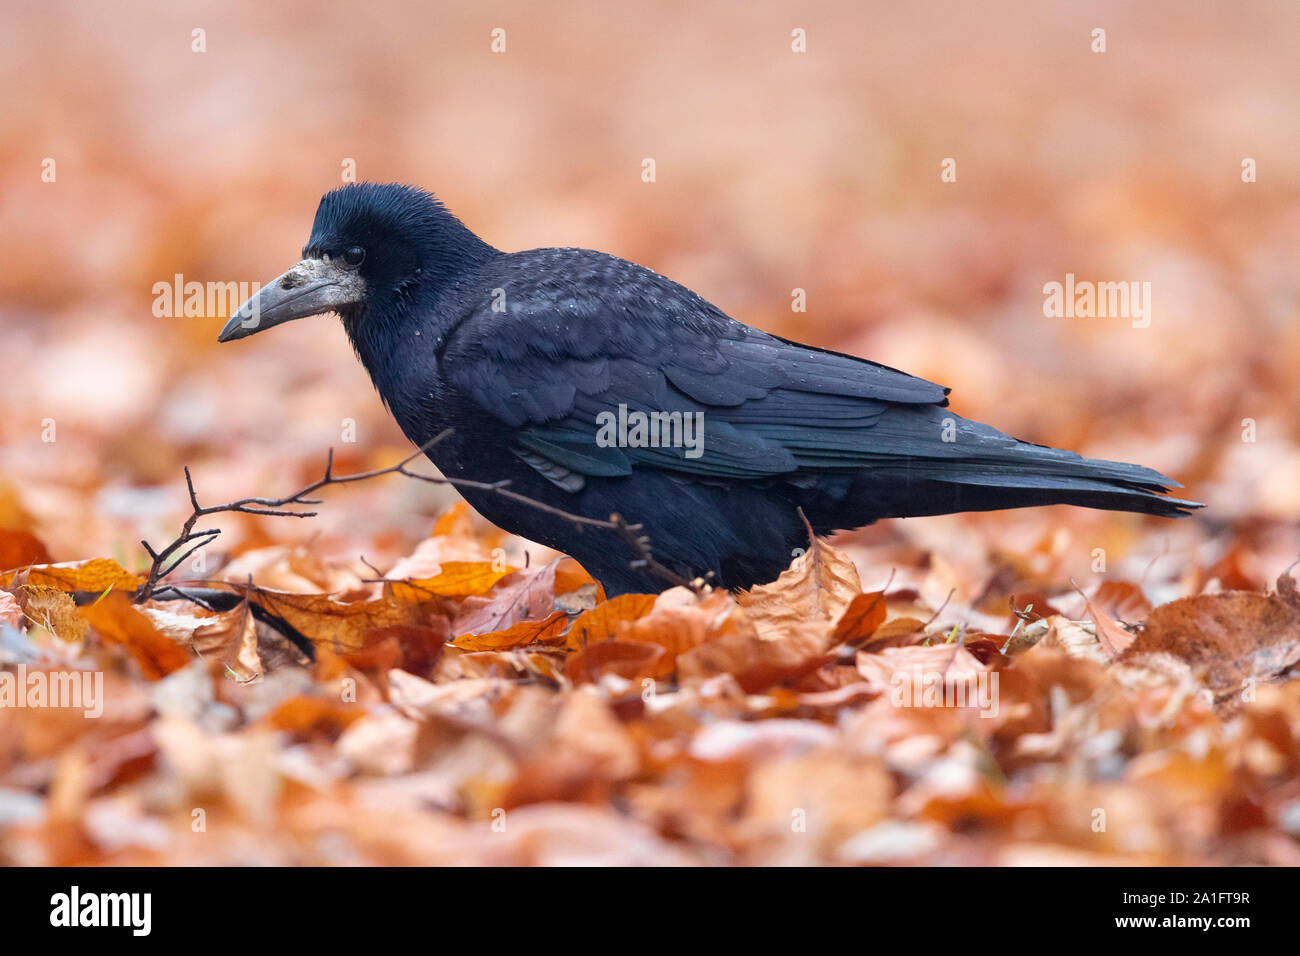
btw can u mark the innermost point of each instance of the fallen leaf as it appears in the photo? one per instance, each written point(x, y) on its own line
point(865, 613)
point(455, 579)
point(1114, 639)
point(1227, 639)
point(818, 586)
point(120, 622)
point(307, 716)
point(328, 622)
point(517, 635)
point(527, 595)
point(1122, 600)
point(21, 548)
point(626, 659)
point(52, 609)
point(10, 611)
point(606, 621)
point(96, 575)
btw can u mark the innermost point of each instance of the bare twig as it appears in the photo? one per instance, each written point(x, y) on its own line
point(936, 614)
point(169, 558)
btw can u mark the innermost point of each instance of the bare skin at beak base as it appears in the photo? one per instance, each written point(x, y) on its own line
point(308, 288)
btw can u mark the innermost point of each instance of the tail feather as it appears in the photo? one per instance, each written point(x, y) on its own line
point(930, 462)
point(1044, 476)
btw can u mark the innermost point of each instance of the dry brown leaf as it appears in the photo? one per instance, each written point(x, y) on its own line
point(680, 620)
point(11, 612)
point(627, 659)
point(1122, 600)
point(736, 648)
point(419, 646)
point(328, 622)
point(865, 613)
point(782, 630)
point(525, 664)
point(98, 574)
point(935, 676)
point(1229, 640)
point(570, 576)
point(20, 549)
point(52, 609)
point(297, 570)
point(818, 586)
point(233, 638)
point(527, 595)
point(1114, 639)
point(453, 539)
point(456, 522)
point(304, 716)
point(548, 628)
point(118, 621)
point(606, 621)
point(455, 579)
point(899, 631)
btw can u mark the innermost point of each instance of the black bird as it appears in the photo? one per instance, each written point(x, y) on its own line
point(597, 386)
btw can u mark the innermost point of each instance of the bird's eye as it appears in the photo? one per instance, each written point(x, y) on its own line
point(353, 256)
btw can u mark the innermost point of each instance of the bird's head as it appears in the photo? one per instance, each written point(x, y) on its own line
point(372, 247)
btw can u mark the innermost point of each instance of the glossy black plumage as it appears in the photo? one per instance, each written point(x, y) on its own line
point(522, 353)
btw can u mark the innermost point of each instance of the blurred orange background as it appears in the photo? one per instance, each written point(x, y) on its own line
point(775, 171)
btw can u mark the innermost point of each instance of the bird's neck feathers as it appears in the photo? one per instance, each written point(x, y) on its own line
point(404, 322)
point(447, 248)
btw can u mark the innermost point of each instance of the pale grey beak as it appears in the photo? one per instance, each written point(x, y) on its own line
point(311, 287)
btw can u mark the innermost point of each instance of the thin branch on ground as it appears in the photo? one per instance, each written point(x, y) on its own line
point(171, 557)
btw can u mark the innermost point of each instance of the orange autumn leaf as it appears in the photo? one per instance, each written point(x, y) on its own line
point(98, 574)
point(456, 521)
point(604, 622)
point(328, 622)
point(232, 639)
point(52, 609)
point(865, 613)
point(420, 646)
point(711, 635)
point(523, 596)
point(11, 611)
point(305, 716)
point(1228, 640)
point(377, 657)
point(455, 579)
point(680, 620)
point(818, 587)
point(118, 621)
point(570, 576)
point(899, 631)
point(755, 662)
point(1114, 639)
point(538, 661)
point(20, 549)
point(784, 629)
point(916, 672)
point(627, 659)
point(517, 635)
point(1123, 600)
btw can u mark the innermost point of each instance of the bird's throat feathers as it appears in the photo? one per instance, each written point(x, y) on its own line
point(416, 253)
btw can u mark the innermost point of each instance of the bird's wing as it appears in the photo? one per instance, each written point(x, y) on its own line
point(609, 338)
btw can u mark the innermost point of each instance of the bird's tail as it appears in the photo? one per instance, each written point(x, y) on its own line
point(1087, 482)
point(974, 467)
